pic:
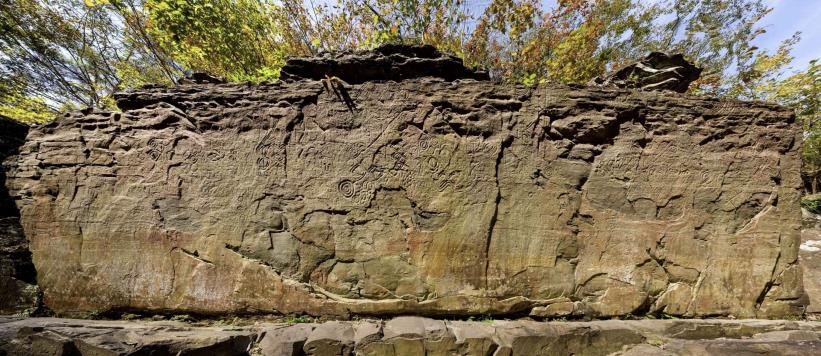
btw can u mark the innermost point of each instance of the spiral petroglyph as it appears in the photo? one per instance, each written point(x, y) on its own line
point(347, 188)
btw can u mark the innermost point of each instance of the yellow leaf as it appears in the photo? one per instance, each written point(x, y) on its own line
point(92, 3)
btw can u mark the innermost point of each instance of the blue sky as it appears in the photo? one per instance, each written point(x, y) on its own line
point(789, 16)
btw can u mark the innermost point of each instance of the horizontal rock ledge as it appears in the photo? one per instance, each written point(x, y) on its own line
point(409, 336)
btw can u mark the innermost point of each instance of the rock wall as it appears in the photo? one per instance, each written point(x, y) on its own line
point(432, 195)
point(18, 291)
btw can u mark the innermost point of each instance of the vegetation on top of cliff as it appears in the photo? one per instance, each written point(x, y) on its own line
point(65, 54)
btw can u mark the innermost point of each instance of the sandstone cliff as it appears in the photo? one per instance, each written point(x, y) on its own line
point(424, 194)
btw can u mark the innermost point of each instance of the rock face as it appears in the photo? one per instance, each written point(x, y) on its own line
point(658, 71)
point(18, 290)
point(410, 336)
point(422, 196)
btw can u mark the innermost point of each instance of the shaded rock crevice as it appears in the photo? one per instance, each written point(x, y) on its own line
point(506, 142)
point(18, 276)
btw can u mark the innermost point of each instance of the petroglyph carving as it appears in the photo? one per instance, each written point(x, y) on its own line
point(515, 198)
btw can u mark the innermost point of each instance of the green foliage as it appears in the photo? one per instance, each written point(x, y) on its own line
point(231, 38)
point(46, 50)
point(27, 109)
point(299, 319)
point(65, 54)
point(800, 91)
point(488, 319)
point(26, 313)
point(85, 50)
point(233, 321)
point(436, 22)
point(812, 204)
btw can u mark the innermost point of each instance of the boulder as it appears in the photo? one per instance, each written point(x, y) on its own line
point(331, 338)
point(414, 194)
point(281, 340)
point(657, 71)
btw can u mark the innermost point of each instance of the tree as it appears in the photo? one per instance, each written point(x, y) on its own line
point(65, 54)
point(802, 92)
point(68, 53)
point(232, 38)
point(27, 109)
point(46, 51)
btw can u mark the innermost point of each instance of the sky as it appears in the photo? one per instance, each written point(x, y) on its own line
point(789, 16)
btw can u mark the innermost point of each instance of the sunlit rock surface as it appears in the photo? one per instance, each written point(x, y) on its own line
point(423, 196)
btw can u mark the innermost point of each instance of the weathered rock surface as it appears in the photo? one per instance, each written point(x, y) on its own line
point(421, 196)
point(657, 71)
point(68, 337)
point(18, 290)
point(410, 336)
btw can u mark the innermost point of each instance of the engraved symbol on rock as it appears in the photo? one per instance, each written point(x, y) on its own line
point(399, 161)
point(432, 163)
point(346, 188)
point(705, 177)
point(264, 150)
point(376, 172)
point(363, 199)
point(270, 155)
point(191, 156)
point(155, 148)
point(263, 163)
point(215, 155)
point(443, 185)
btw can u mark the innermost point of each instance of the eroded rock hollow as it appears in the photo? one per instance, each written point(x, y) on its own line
point(424, 194)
